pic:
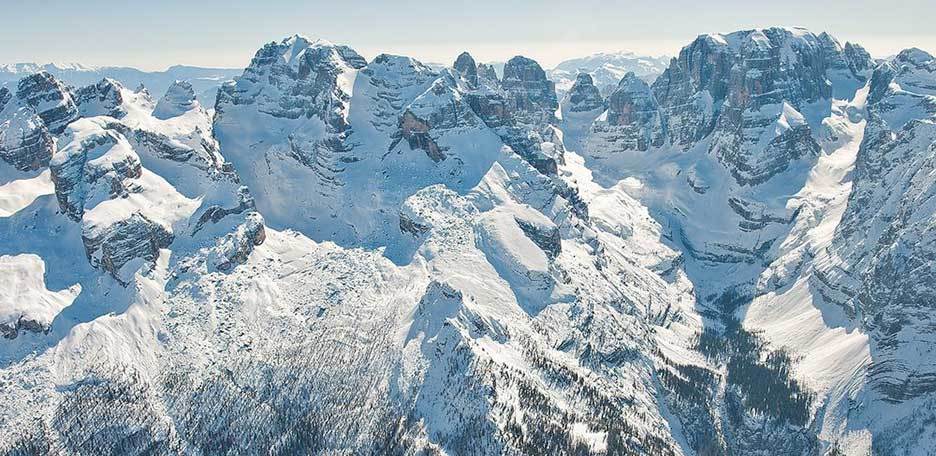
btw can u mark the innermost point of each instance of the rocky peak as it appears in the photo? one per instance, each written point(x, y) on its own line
point(529, 93)
point(101, 99)
point(487, 72)
point(351, 57)
point(917, 58)
point(739, 85)
point(25, 142)
point(633, 120)
point(914, 71)
point(51, 100)
point(584, 96)
point(632, 103)
point(467, 69)
point(858, 58)
point(179, 99)
point(850, 57)
point(297, 77)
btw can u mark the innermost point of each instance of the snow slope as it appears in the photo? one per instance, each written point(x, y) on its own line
point(390, 258)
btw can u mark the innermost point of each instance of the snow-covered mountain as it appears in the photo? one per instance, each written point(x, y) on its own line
point(607, 69)
point(205, 81)
point(383, 257)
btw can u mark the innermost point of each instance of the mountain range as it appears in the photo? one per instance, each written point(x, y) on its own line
point(205, 81)
point(729, 252)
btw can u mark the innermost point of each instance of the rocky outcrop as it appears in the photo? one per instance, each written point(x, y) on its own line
point(789, 138)
point(544, 235)
point(632, 121)
point(101, 99)
point(885, 243)
point(40, 109)
point(416, 133)
point(487, 72)
point(850, 57)
point(92, 165)
point(235, 248)
point(51, 100)
point(203, 153)
point(133, 239)
point(584, 96)
point(531, 97)
point(296, 78)
point(25, 142)
point(179, 99)
point(467, 69)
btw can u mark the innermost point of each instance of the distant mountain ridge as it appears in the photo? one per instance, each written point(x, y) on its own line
point(205, 81)
point(607, 69)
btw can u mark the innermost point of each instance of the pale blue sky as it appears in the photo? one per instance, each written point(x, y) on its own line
point(156, 33)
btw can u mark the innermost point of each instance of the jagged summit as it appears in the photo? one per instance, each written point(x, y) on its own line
point(584, 95)
point(915, 56)
point(179, 99)
point(732, 258)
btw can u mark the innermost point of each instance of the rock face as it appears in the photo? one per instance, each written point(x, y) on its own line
point(633, 120)
point(467, 69)
point(886, 238)
point(25, 142)
point(92, 165)
point(136, 238)
point(584, 96)
point(531, 97)
point(51, 100)
point(101, 99)
point(235, 248)
point(40, 109)
point(179, 99)
point(297, 78)
point(487, 72)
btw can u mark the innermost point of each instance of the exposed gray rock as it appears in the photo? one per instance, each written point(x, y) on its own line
point(531, 97)
point(179, 99)
point(25, 142)
point(50, 98)
point(76, 174)
point(546, 237)
point(633, 120)
point(886, 239)
point(467, 69)
point(584, 96)
point(101, 99)
point(136, 237)
point(9, 330)
point(296, 78)
point(487, 73)
point(235, 248)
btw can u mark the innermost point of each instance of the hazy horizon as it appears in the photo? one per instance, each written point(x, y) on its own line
point(226, 34)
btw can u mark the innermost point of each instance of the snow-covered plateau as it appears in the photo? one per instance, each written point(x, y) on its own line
point(730, 252)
